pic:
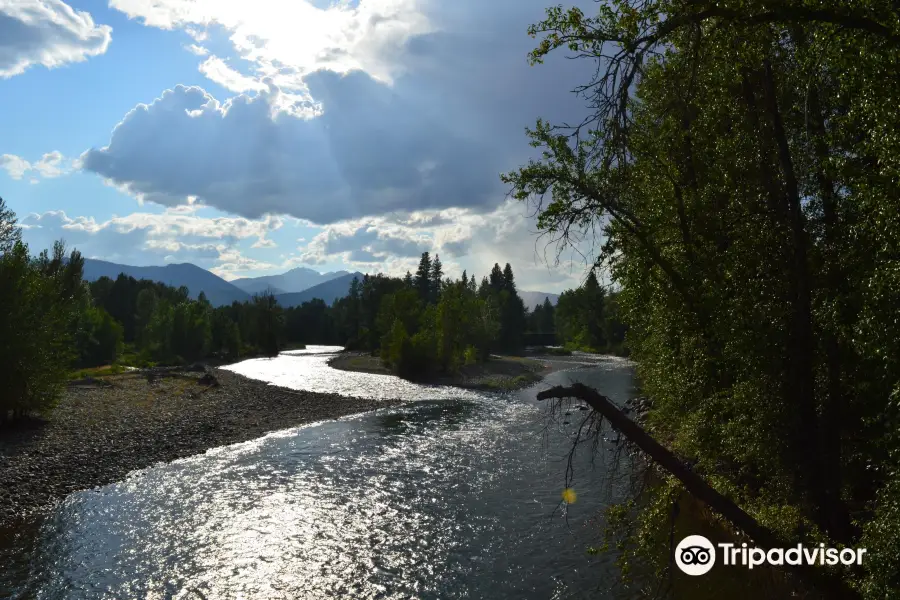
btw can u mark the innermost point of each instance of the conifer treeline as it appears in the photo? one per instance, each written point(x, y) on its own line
point(52, 322)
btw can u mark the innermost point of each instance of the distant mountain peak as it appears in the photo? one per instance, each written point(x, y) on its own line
point(195, 279)
point(292, 281)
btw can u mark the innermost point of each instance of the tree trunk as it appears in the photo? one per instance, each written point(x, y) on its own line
point(696, 485)
point(839, 523)
point(802, 347)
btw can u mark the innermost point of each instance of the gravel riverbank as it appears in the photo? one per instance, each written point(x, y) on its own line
point(102, 430)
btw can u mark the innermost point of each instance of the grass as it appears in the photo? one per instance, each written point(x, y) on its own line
point(103, 371)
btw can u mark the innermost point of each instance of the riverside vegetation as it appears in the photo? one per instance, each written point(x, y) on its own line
point(56, 327)
point(742, 160)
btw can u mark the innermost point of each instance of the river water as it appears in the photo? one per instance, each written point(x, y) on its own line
point(455, 494)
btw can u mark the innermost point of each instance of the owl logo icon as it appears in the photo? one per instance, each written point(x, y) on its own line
point(695, 555)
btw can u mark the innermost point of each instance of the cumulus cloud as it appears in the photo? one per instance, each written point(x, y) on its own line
point(216, 69)
point(15, 166)
point(300, 36)
point(48, 33)
point(52, 164)
point(198, 50)
point(367, 153)
point(145, 238)
point(368, 109)
point(463, 238)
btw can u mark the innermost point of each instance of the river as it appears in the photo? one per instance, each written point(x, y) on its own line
point(455, 494)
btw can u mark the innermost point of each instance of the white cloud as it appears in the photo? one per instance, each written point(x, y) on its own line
point(463, 238)
point(296, 36)
point(330, 137)
point(145, 238)
point(52, 164)
point(15, 166)
point(362, 156)
point(216, 69)
point(48, 33)
point(198, 50)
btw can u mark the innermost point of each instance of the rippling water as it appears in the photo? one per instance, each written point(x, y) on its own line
point(454, 495)
point(308, 370)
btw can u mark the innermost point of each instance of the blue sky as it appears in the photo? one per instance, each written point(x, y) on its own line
point(253, 137)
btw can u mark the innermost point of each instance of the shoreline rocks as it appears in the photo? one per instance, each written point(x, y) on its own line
point(102, 430)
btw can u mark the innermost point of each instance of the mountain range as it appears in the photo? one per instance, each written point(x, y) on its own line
point(291, 288)
point(295, 280)
point(329, 291)
point(196, 280)
point(532, 299)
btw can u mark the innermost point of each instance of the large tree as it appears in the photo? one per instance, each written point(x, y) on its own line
point(40, 300)
point(742, 163)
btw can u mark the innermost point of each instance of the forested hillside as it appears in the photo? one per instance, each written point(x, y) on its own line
point(217, 290)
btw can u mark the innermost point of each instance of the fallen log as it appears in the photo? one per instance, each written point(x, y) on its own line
point(693, 483)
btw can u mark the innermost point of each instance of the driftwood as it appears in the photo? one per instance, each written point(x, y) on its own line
point(693, 483)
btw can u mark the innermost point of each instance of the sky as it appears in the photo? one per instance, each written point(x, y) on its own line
point(251, 137)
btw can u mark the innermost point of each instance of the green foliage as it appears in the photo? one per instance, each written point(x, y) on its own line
point(542, 319)
point(587, 319)
point(98, 337)
point(741, 163)
point(39, 302)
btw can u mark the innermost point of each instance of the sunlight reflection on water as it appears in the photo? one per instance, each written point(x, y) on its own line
point(450, 498)
point(308, 370)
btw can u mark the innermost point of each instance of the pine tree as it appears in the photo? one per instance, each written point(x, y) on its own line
point(484, 290)
point(408, 279)
point(546, 324)
point(422, 279)
point(437, 273)
point(496, 281)
point(509, 282)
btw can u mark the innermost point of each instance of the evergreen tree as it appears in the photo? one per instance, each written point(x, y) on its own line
point(509, 282)
point(10, 233)
point(497, 282)
point(422, 279)
point(484, 290)
point(437, 274)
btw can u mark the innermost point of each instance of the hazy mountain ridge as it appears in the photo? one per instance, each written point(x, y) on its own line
point(531, 299)
point(328, 291)
point(295, 280)
point(194, 278)
point(331, 286)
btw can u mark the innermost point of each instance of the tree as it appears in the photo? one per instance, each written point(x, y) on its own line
point(145, 306)
point(40, 301)
point(10, 233)
point(98, 337)
point(496, 280)
point(437, 274)
point(739, 166)
point(269, 323)
point(422, 279)
point(546, 322)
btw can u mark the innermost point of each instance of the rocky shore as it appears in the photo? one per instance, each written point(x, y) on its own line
point(105, 428)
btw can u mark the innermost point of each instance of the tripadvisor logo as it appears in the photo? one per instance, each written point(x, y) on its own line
point(696, 555)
